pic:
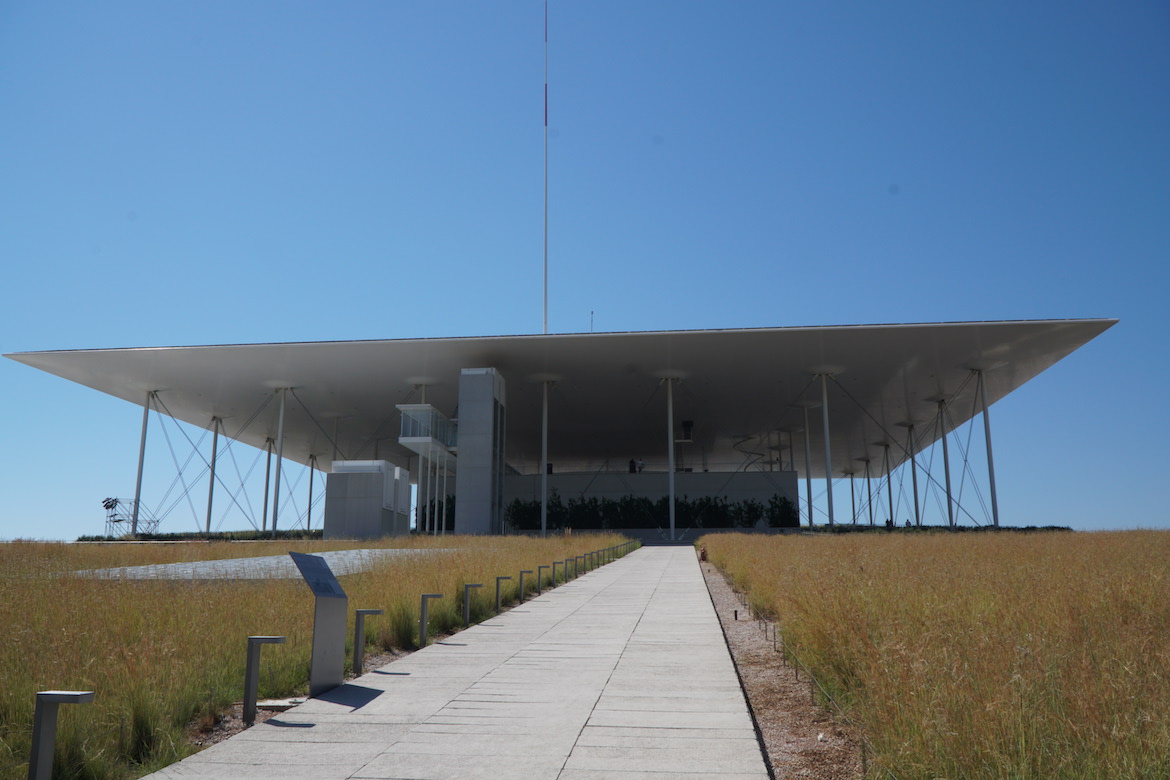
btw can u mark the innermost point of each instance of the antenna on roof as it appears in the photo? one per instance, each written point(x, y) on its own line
point(546, 166)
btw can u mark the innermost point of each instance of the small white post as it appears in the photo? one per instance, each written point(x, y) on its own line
point(422, 618)
point(44, 736)
point(359, 638)
point(467, 602)
point(252, 673)
point(498, 581)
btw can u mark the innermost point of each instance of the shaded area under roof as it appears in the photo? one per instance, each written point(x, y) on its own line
point(745, 390)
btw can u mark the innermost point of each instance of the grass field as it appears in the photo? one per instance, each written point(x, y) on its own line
point(162, 654)
point(979, 656)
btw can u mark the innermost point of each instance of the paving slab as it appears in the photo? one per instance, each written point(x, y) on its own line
point(621, 673)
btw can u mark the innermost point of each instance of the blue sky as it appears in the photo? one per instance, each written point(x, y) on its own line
point(191, 173)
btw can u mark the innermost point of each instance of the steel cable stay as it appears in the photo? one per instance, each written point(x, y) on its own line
point(324, 433)
point(966, 471)
point(186, 490)
point(303, 519)
point(179, 471)
point(242, 478)
point(250, 513)
point(941, 426)
point(195, 450)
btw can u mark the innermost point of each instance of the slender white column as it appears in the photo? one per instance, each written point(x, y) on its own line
point(211, 479)
point(443, 502)
point(852, 498)
point(828, 454)
point(808, 470)
point(990, 459)
point(670, 451)
point(309, 511)
point(889, 483)
point(279, 460)
point(869, 491)
point(942, 423)
point(914, 474)
point(544, 464)
point(433, 504)
point(267, 478)
point(141, 461)
point(420, 492)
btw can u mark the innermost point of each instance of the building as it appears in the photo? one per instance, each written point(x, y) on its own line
point(483, 424)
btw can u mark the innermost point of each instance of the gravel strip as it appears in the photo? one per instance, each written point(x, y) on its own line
point(800, 739)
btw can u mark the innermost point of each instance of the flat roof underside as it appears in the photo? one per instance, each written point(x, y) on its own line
point(746, 391)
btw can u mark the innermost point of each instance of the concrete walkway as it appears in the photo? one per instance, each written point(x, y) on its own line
point(622, 673)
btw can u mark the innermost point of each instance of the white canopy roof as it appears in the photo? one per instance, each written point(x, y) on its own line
point(745, 390)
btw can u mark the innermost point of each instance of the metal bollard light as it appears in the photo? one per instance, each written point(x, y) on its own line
point(359, 638)
point(252, 673)
point(522, 573)
point(44, 736)
point(422, 618)
point(498, 580)
point(555, 564)
point(467, 602)
point(540, 578)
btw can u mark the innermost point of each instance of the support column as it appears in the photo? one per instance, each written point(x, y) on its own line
point(211, 480)
point(990, 459)
point(443, 502)
point(889, 483)
point(808, 470)
point(942, 424)
point(852, 498)
point(279, 460)
point(869, 490)
point(141, 461)
point(433, 503)
point(828, 454)
point(309, 511)
point(267, 477)
point(670, 452)
point(914, 475)
point(544, 463)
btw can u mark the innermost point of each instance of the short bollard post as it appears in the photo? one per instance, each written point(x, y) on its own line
point(467, 602)
point(252, 673)
point(498, 580)
point(359, 638)
point(580, 563)
point(422, 617)
point(540, 578)
point(555, 564)
point(567, 569)
point(40, 760)
point(522, 573)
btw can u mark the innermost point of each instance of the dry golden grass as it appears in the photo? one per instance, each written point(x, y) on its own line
point(161, 654)
point(979, 656)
